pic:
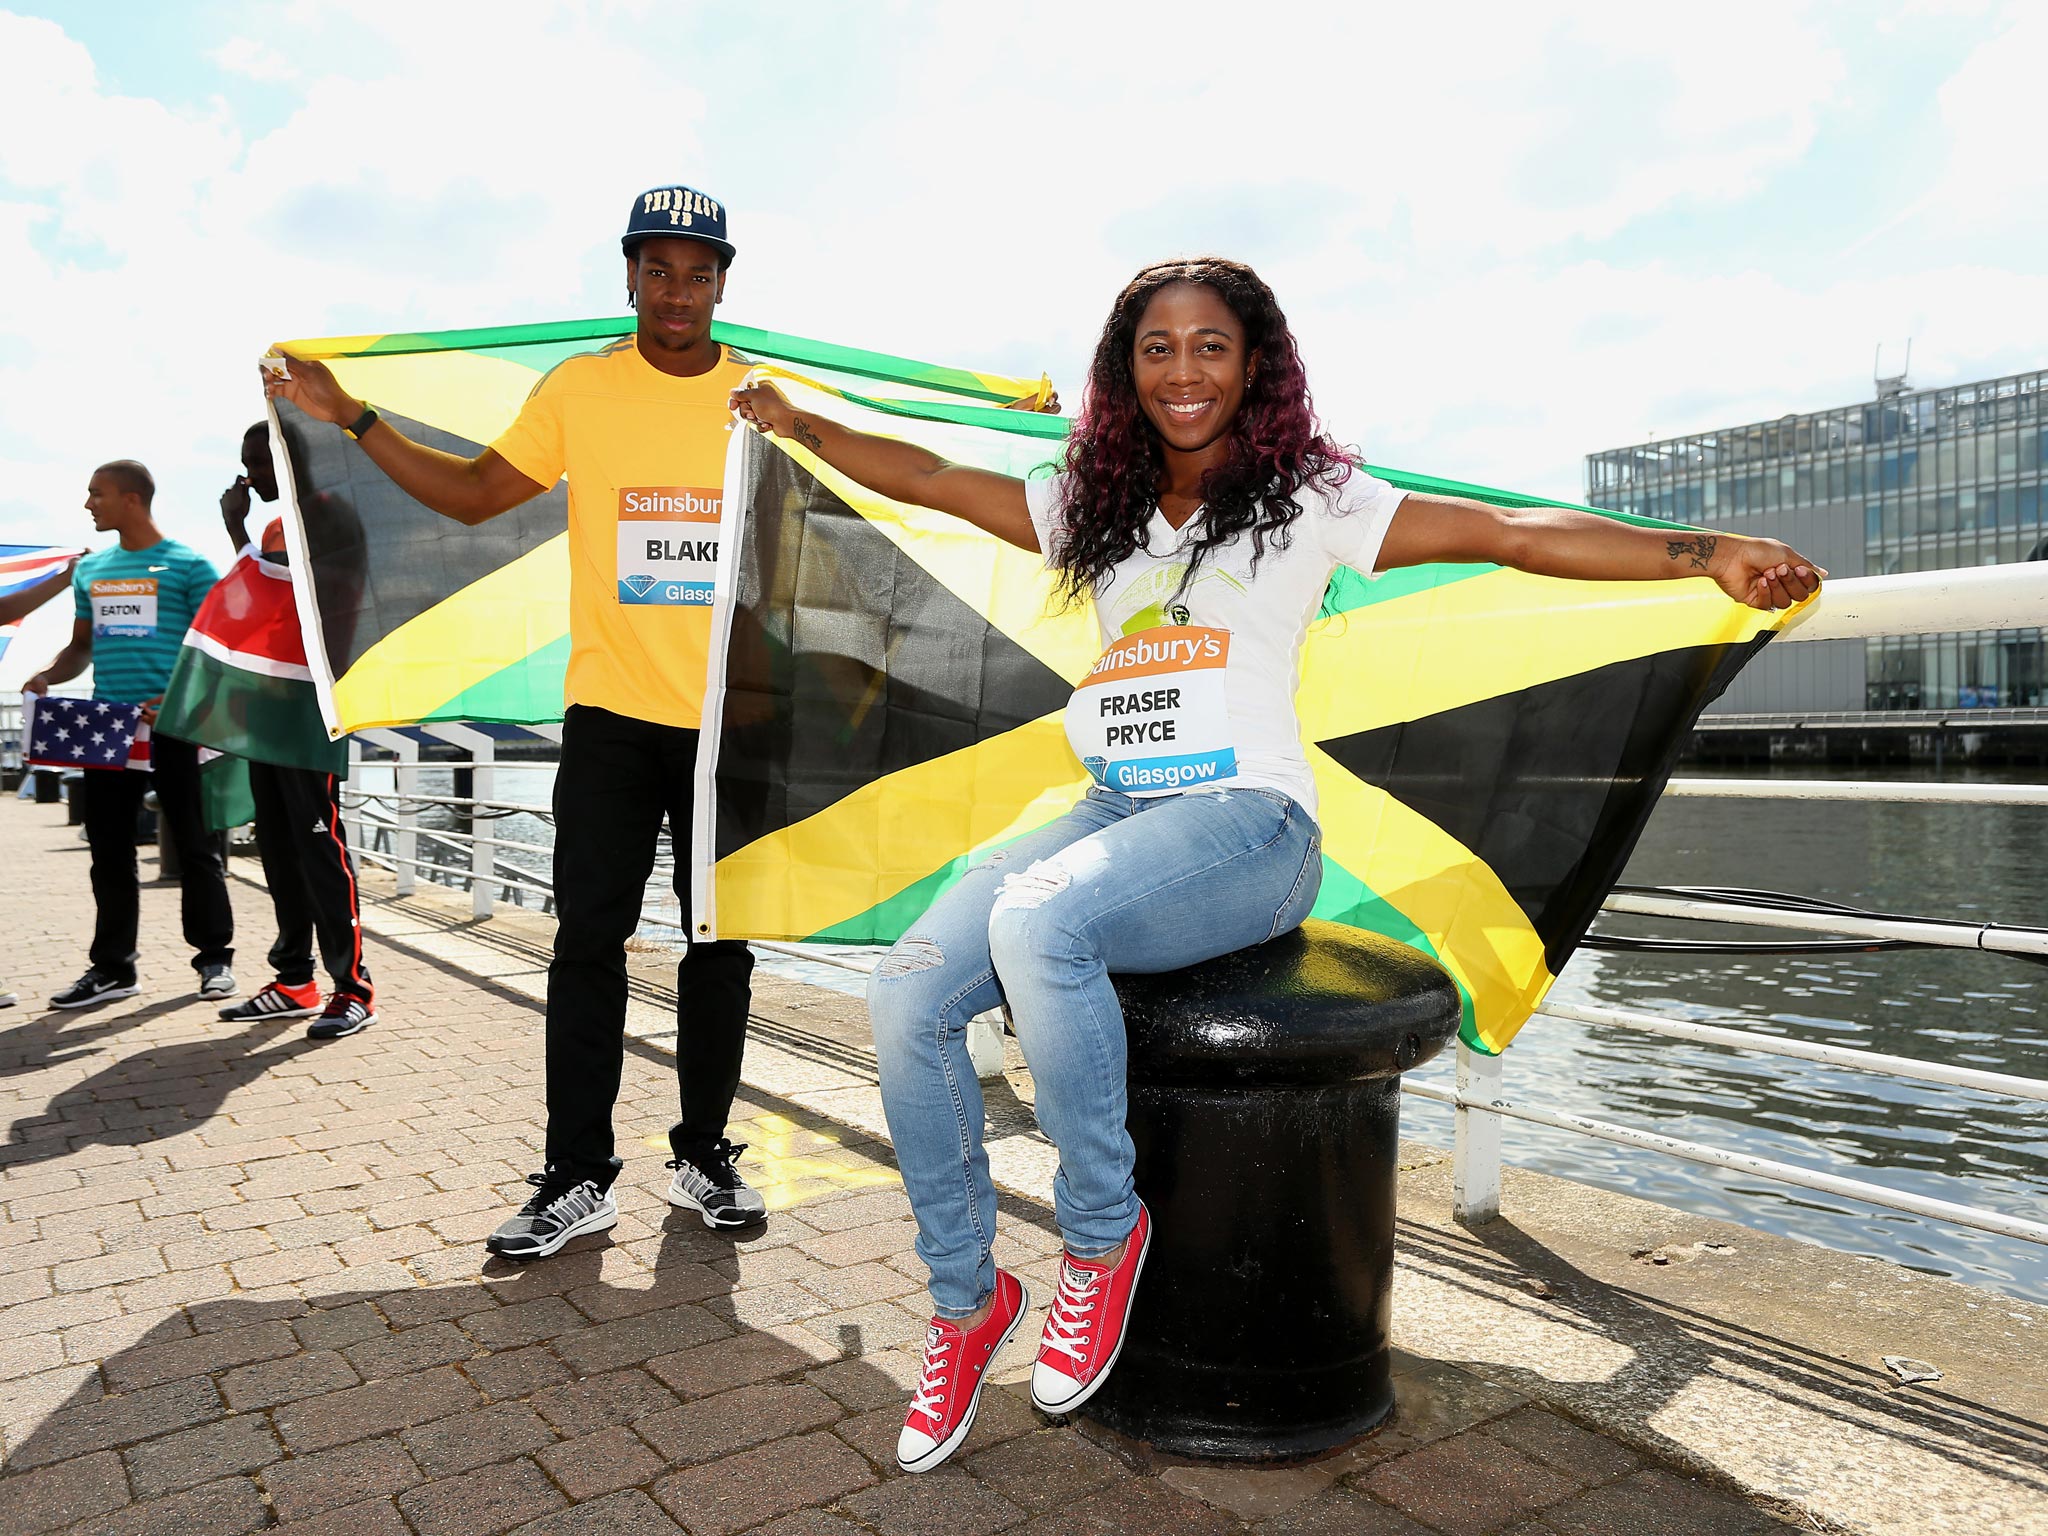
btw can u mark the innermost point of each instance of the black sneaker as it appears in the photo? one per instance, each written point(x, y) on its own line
point(344, 1015)
point(216, 982)
point(275, 1001)
point(95, 986)
point(557, 1212)
point(710, 1184)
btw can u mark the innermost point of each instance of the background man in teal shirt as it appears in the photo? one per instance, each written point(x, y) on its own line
point(134, 603)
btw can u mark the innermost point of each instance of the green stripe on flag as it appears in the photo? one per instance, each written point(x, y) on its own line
point(248, 714)
point(1347, 899)
point(541, 346)
point(527, 692)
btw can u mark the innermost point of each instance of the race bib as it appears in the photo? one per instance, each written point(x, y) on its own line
point(124, 606)
point(668, 545)
point(1151, 717)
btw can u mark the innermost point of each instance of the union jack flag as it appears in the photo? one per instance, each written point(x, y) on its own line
point(85, 733)
point(23, 565)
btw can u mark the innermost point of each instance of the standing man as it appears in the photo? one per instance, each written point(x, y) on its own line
point(640, 428)
point(134, 603)
point(300, 838)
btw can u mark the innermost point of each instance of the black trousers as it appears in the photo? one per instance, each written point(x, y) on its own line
point(112, 798)
point(618, 778)
point(312, 883)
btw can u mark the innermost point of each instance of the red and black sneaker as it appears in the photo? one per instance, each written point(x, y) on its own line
point(278, 1000)
point(955, 1363)
point(1084, 1331)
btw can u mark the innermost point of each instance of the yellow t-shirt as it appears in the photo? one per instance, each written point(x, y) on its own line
point(645, 455)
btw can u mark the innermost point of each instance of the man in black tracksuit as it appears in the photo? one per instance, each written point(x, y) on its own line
point(299, 835)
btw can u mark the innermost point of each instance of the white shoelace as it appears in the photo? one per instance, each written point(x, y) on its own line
point(930, 1396)
point(1066, 1328)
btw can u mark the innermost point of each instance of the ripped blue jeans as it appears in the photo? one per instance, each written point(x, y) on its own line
point(1117, 884)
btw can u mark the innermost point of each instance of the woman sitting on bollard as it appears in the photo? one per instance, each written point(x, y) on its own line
point(1204, 510)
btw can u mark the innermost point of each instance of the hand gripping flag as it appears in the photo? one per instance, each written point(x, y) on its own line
point(410, 618)
point(1487, 744)
point(241, 685)
point(84, 733)
point(23, 565)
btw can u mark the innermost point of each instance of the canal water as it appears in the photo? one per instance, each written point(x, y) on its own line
point(1964, 1007)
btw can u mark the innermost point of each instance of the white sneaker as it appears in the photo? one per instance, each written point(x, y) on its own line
point(556, 1213)
point(714, 1188)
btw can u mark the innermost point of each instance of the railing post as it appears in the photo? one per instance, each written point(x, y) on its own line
point(483, 856)
point(353, 822)
point(985, 1045)
point(483, 852)
point(405, 783)
point(1475, 1159)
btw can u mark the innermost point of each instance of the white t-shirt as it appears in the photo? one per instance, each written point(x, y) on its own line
point(1202, 696)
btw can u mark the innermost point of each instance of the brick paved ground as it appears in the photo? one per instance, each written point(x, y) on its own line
point(242, 1288)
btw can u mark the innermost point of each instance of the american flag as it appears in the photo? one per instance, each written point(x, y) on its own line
point(85, 733)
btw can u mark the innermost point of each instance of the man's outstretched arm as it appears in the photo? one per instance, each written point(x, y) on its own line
point(469, 490)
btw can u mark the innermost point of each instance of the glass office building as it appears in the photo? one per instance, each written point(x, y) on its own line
point(1914, 480)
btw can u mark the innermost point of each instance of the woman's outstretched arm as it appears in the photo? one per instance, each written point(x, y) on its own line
point(1556, 541)
point(898, 470)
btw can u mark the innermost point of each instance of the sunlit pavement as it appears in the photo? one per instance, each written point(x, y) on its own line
point(242, 1287)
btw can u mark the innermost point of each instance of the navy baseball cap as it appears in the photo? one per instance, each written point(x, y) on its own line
point(679, 213)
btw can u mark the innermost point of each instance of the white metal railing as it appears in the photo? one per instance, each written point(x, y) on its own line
point(1922, 603)
point(11, 745)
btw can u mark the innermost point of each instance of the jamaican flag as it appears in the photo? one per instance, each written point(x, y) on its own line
point(408, 618)
point(1487, 744)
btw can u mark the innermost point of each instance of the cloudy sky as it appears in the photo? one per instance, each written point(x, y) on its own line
point(1506, 234)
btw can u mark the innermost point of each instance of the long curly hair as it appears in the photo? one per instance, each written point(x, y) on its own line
point(1115, 461)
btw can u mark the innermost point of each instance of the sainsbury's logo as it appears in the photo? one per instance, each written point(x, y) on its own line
point(670, 503)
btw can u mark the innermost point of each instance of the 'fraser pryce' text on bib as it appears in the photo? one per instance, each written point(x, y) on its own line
point(668, 544)
point(1151, 717)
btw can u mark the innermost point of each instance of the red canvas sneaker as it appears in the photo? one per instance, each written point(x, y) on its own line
point(1084, 1331)
point(942, 1408)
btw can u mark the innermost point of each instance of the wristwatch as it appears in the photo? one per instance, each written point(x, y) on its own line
point(362, 423)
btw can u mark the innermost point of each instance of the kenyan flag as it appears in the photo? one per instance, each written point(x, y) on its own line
point(242, 685)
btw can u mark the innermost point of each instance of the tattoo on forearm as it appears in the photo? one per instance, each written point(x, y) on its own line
point(801, 431)
point(1698, 550)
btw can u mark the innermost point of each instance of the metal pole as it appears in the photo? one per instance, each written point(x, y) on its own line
point(1877, 790)
point(1927, 603)
point(2020, 1227)
point(1802, 1050)
point(353, 821)
point(483, 858)
point(1475, 1158)
point(1995, 937)
point(405, 782)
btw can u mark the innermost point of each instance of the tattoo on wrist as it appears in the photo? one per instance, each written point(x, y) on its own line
point(1697, 550)
point(801, 431)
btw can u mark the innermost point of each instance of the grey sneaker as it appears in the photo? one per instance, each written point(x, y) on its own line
point(557, 1212)
point(712, 1186)
point(216, 982)
point(95, 986)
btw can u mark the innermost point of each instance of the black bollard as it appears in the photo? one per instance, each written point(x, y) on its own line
point(1265, 1105)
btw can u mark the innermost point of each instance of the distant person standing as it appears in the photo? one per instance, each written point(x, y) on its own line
point(14, 607)
point(134, 604)
point(640, 428)
point(299, 836)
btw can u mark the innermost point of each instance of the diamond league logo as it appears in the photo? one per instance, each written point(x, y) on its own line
point(639, 586)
